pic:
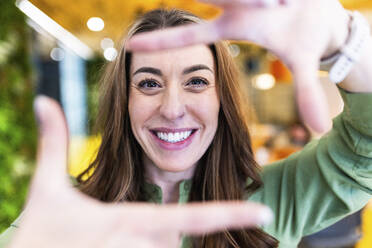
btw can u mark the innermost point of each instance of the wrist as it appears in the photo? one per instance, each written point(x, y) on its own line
point(360, 78)
point(340, 64)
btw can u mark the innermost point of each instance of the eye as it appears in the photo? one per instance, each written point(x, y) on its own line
point(197, 83)
point(149, 84)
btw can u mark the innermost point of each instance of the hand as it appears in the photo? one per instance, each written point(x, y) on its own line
point(299, 32)
point(57, 215)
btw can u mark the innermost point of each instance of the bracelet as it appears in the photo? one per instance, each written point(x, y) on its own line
point(340, 64)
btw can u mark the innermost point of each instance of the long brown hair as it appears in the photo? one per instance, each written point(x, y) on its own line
point(117, 173)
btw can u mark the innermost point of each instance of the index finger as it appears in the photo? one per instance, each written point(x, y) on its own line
point(187, 35)
point(195, 218)
point(206, 218)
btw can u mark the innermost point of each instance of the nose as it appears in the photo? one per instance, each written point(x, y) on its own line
point(172, 105)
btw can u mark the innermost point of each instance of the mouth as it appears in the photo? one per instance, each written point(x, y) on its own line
point(173, 139)
point(173, 136)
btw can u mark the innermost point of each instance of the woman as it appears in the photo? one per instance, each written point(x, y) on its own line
point(182, 135)
point(173, 129)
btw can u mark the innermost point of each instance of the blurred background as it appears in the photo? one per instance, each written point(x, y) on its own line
point(58, 48)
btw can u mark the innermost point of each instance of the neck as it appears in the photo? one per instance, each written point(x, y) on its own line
point(168, 181)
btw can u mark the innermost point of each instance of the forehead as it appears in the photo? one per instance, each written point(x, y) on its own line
point(173, 59)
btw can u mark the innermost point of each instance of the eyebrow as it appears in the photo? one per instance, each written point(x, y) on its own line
point(151, 70)
point(196, 68)
point(188, 70)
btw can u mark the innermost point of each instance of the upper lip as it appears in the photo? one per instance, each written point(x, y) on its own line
point(172, 130)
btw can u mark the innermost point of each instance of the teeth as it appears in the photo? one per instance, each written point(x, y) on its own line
point(173, 137)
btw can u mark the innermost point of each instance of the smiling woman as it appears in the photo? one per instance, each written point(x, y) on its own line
point(174, 129)
point(174, 118)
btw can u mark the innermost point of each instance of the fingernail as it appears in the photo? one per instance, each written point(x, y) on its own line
point(38, 104)
point(36, 107)
point(266, 216)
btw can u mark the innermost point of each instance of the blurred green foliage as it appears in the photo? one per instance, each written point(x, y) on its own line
point(18, 131)
point(94, 68)
point(17, 124)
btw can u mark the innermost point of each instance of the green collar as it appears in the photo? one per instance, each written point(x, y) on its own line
point(154, 194)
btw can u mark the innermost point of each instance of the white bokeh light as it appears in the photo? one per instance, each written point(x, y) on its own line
point(110, 53)
point(263, 81)
point(95, 24)
point(106, 43)
point(57, 54)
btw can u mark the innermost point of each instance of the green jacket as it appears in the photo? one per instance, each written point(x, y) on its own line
point(314, 188)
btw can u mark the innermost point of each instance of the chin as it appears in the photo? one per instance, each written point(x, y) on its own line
point(174, 166)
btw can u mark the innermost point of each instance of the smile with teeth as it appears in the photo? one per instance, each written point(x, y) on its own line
point(173, 137)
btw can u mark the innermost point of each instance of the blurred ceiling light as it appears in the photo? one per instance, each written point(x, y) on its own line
point(263, 81)
point(110, 53)
point(107, 43)
point(54, 29)
point(95, 24)
point(57, 54)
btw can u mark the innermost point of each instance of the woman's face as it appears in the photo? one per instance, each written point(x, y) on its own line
point(173, 105)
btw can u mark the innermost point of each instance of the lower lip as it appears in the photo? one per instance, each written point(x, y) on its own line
point(174, 146)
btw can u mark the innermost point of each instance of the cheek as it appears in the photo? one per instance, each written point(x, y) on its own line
point(140, 109)
point(207, 108)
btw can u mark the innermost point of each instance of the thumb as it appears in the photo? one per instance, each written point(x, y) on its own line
point(175, 37)
point(52, 144)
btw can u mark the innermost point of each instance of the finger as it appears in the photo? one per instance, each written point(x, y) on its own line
point(212, 217)
point(245, 3)
point(53, 142)
point(310, 96)
point(230, 26)
point(175, 37)
point(196, 218)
